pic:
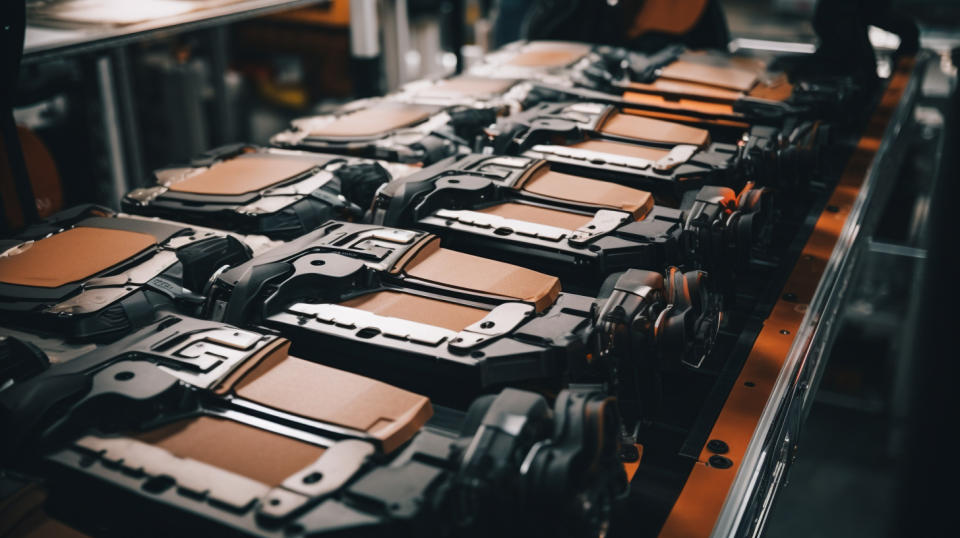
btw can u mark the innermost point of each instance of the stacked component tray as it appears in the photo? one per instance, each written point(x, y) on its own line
point(509, 302)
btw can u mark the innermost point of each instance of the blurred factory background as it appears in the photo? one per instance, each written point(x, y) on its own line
point(105, 95)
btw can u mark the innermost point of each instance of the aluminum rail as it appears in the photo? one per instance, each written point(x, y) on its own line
point(773, 443)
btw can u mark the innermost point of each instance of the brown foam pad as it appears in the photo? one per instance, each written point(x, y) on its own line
point(326, 394)
point(687, 89)
point(679, 105)
point(468, 86)
point(243, 174)
point(72, 255)
point(452, 316)
point(376, 120)
point(731, 78)
point(538, 215)
point(549, 55)
point(643, 128)
point(483, 275)
point(549, 183)
point(251, 452)
point(622, 149)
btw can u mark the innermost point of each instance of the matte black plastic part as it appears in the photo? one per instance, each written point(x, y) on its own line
point(715, 232)
point(339, 187)
point(110, 303)
point(511, 466)
point(20, 360)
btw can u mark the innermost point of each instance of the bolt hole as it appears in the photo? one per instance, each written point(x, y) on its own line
point(487, 324)
point(717, 446)
point(368, 332)
point(784, 331)
point(158, 484)
point(274, 502)
point(454, 181)
point(123, 376)
point(720, 462)
point(749, 384)
point(313, 478)
point(317, 262)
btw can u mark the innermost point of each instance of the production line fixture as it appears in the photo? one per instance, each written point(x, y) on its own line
point(220, 430)
point(279, 193)
point(551, 324)
point(87, 275)
point(578, 228)
point(395, 304)
point(392, 129)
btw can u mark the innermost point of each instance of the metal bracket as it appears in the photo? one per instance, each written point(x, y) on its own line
point(193, 478)
point(144, 196)
point(354, 319)
point(207, 357)
point(604, 222)
point(502, 225)
point(500, 321)
point(677, 156)
point(593, 157)
point(340, 462)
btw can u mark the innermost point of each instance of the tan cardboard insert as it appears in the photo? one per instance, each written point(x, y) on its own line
point(325, 394)
point(72, 255)
point(549, 55)
point(619, 148)
point(376, 120)
point(687, 89)
point(243, 174)
point(394, 304)
point(251, 452)
point(642, 128)
point(468, 272)
point(546, 182)
point(680, 105)
point(730, 78)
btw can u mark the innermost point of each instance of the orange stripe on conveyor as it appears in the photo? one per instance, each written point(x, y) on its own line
point(701, 500)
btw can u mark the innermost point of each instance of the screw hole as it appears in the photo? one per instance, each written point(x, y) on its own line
point(487, 324)
point(720, 462)
point(749, 384)
point(784, 331)
point(123, 376)
point(317, 262)
point(368, 332)
point(313, 478)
